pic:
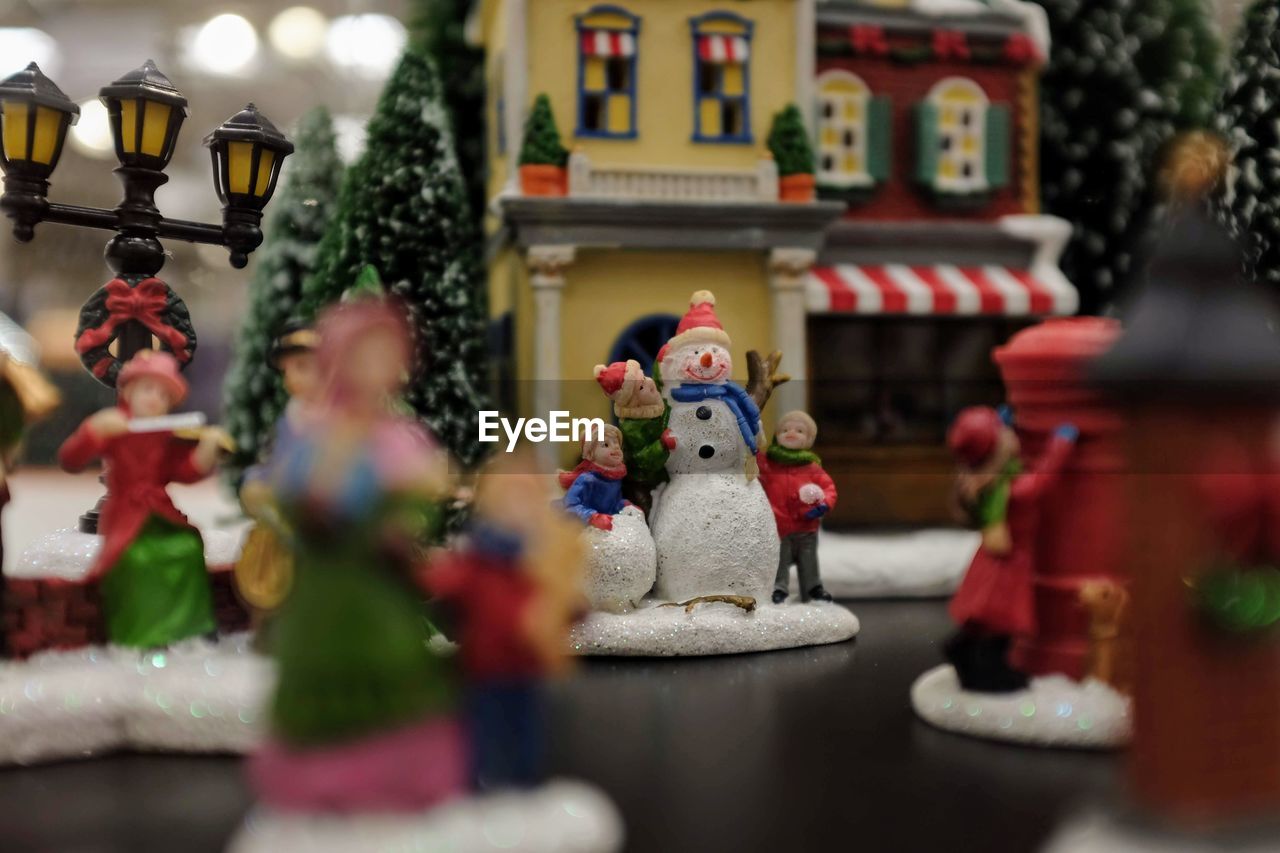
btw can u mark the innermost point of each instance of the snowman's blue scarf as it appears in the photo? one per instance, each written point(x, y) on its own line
point(733, 396)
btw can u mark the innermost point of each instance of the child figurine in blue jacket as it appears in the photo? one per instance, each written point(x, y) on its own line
point(595, 486)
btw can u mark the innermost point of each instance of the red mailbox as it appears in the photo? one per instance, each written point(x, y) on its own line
point(1045, 376)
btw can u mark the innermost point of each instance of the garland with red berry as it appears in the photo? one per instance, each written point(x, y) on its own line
point(132, 298)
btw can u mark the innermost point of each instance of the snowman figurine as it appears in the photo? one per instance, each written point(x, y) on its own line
point(712, 524)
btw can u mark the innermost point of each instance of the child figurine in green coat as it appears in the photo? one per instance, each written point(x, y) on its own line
point(642, 417)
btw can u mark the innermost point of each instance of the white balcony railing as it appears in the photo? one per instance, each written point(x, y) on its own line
point(588, 180)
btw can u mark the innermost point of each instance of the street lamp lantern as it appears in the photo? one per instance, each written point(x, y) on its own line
point(34, 117)
point(247, 152)
point(146, 111)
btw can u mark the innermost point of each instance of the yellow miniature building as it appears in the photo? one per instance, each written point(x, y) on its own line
point(665, 107)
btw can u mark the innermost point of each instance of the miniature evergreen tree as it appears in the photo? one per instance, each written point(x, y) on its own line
point(255, 396)
point(1250, 122)
point(789, 143)
point(440, 26)
point(403, 209)
point(541, 145)
point(1121, 79)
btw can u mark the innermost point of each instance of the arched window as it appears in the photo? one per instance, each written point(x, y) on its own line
point(961, 134)
point(643, 338)
point(607, 47)
point(962, 138)
point(853, 132)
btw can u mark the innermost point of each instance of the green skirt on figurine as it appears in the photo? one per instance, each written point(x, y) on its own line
point(158, 592)
point(350, 642)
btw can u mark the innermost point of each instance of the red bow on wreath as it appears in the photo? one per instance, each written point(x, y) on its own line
point(949, 44)
point(145, 302)
point(1020, 49)
point(868, 39)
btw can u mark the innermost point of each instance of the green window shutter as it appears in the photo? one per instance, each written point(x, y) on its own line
point(880, 138)
point(926, 143)
point(997, 145)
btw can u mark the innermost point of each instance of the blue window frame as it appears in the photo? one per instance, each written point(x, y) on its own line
point(721, 77)
point(608, 38)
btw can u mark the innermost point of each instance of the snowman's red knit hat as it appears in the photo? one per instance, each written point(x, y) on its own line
point(699, 325)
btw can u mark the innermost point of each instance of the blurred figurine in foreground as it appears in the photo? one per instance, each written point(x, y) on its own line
point(25, 396)
point(151, 569)
point(511, 594)
point(265, 569)
point(995, 601)
point(800, 493)
point(363, 714)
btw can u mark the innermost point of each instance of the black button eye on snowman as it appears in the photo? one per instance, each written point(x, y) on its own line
point(704, 414)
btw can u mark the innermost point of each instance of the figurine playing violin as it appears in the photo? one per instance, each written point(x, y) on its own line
point(151, 570)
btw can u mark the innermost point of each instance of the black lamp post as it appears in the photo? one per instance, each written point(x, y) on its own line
point(146, 113)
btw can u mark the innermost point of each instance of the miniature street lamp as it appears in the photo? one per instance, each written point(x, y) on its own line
point(146, 112)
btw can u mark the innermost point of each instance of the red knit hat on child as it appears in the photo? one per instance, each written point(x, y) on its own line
point(973, 435)
point(154, 364)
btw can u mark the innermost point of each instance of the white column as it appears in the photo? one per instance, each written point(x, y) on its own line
point(515, 85)
point(806, 60)
point(788, 269)
point(546, 267)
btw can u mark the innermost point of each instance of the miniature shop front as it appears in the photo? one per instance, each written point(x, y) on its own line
point(921, 251)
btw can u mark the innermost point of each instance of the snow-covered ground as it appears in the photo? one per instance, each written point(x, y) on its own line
point(911, 564)
point(46, 500)
point(197, 696)
point(713, 628)
point(1054, 711)
point(562, 816)
point(1104, 832)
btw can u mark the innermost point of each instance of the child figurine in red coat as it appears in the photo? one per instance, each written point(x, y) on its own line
point(151, 570)
point(800, 493)
point(995, 600)
point(509, 595)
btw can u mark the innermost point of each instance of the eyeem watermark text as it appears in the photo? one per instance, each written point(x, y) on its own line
point(558, 427)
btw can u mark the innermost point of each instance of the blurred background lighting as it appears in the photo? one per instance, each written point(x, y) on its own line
point(298, 32)
point(91, 136)
point(368, 45)
point(20, 45)
point(226, 44)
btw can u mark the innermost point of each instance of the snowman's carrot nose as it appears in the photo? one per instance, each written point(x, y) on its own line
point(706, 359)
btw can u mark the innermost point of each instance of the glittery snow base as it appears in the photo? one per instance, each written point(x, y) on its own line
point(1053, 711)
point(621, 563)
point(1100, 832)
point(914, 564)
point(68, 554)
point(712, 629)
point(562, 815)
point(195, 697)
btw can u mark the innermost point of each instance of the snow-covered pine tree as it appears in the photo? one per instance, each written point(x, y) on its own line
point(1121, 79)
point(1249, 118)
point(441, 25)
point(403, 209)
point(254, 394)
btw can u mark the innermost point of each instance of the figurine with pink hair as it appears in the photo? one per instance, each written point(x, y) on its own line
point(360, 697)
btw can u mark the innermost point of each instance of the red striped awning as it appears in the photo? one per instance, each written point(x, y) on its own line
point(608, 43)
point(940, 289)
point(723, 48)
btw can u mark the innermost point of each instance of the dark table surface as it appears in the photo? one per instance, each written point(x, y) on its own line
point(810, 749)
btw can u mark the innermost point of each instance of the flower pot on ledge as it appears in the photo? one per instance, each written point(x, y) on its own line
point(796, 188)
point(539, 179)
